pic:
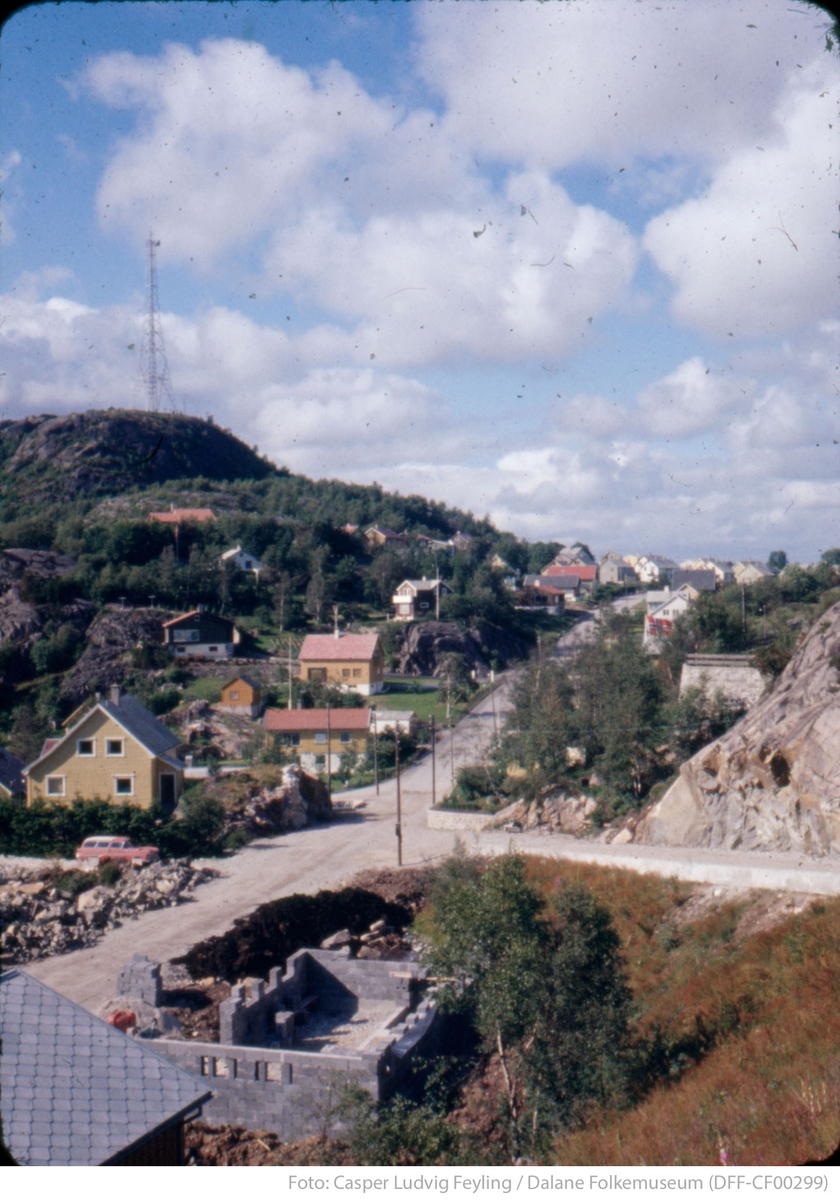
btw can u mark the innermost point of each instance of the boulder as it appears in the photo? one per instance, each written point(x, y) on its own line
point(772, 782)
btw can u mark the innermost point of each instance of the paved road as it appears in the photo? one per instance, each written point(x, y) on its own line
point(328, 856)
point(323, 856)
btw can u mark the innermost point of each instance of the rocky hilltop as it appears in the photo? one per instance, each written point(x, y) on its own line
point(773, 781)
point(107, 451)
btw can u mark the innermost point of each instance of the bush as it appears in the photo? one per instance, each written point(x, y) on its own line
point(110, 873)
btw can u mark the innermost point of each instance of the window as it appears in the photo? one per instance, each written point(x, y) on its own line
point(289, 739)
point(114, 747)
point(213, 649)
point(344, 738)
point(320, 738)
point(184, 635)
point(317, 674)
point(345, 673)
point(123, 785)
point(320, 760)
point(357, 672)
point(234, 695)
point(86, 747)
point(55, 785)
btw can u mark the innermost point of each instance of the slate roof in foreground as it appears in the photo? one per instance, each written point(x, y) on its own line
point(76, 1091)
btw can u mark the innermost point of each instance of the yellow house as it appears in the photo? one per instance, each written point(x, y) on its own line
point(241, 695)
point(313, 733)
point(117, 751)
point(353, 661)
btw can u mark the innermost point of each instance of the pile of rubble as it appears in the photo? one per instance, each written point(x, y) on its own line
point(556, 812)
point(297, 800)
point(50, 915)
point(381, 941)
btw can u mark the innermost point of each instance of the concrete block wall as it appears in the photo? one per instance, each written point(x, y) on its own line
point(140, 978)
point(331, 975)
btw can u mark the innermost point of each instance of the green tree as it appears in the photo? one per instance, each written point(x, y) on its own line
point(545, 991)
point(777, 559)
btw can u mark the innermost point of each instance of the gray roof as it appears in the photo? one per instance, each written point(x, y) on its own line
point(75, 1091)
point(701, 581)
point(136, 719)
point(10, 772)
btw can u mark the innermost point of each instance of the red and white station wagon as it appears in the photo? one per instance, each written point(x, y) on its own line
point(104, 849)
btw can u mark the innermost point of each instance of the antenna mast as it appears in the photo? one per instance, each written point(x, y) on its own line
point(154, 368)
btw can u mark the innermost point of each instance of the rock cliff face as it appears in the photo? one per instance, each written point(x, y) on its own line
point(111, 638)
point(773, 781)
point(426, 641)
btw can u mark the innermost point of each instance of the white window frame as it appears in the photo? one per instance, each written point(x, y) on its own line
point(61, 779)
point(130, 779)
point(185, 635)
point(115, 753)
point(345, 738)
point(79, 753)
point(320, 739)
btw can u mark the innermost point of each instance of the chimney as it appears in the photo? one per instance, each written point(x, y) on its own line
point(114, 693)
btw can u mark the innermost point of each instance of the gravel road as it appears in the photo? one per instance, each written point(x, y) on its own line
point(328, 856)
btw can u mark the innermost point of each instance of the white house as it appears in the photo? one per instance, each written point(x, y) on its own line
point(242, 560)
point(663, 610)
point(655, 568)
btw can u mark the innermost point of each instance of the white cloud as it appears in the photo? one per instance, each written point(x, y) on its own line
point(549, 85)
point(756, 255)
point(691, 400)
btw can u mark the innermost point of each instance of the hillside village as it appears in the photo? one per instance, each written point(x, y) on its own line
point(198, 662)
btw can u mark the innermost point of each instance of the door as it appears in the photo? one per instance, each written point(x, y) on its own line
point(167, 792)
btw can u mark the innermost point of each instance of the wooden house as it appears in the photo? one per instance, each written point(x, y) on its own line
point(241, 695)
point(313, 733)
point(117, 751)
point(418, 598)
point(347, 660)
point(200, 634)
point(77, 1092)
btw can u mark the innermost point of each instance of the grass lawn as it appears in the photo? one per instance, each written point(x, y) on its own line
point(209, 689)
point(424, 697)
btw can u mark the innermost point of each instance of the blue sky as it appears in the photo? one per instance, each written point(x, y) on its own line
point(570, 264)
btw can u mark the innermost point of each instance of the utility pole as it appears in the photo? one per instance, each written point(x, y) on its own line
point(452, 753)
point(289, 665)
point(375, 750)
point(434, 794)
point(399, 798)
point(329, 754)
point(493, 701)
point(154, 369)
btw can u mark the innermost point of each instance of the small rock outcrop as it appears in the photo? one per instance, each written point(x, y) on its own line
point(298, 800)
point(772, 782)
point(425, 642)
point(111, 640)
point(557, 812)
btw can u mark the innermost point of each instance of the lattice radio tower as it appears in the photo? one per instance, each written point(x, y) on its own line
point(154, 369)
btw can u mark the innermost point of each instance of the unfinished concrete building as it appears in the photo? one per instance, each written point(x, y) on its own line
point(288, 1049)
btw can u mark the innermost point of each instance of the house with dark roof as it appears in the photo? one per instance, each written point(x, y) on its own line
point(699, 580)
point(200, 634)
point(418, 598)
point(353, 661)
point(12, 782)
point(75, 1091)
point(117, 751)
point(313, 734)
point(381, 535)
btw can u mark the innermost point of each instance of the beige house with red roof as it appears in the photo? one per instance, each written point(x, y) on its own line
point(346, 660)
point(314, 733)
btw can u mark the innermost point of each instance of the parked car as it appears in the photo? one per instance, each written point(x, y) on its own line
point(122, 849)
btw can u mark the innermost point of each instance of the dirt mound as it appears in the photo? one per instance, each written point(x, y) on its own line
point(232, 1146)
point(267, 937)
point(773, 781)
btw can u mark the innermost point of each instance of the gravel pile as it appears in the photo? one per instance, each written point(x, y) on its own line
point(43, 916)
